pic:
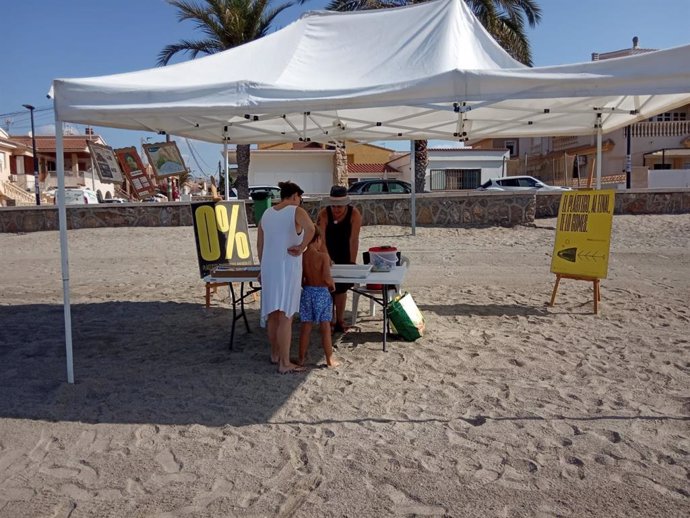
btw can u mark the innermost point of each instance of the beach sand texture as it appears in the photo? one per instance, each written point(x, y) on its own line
point(506, 407)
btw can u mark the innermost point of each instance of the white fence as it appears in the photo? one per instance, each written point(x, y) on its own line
point(668, 178)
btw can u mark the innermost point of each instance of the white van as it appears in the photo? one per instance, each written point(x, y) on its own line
point(79, 196)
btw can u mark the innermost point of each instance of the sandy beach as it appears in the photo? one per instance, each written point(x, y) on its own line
point(506, 407)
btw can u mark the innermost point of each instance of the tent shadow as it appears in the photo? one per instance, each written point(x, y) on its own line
point(138, 362)
point(357, 338)
point(488, 310)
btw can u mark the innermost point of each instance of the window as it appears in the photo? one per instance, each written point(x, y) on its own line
point(375, 187)
point(529, 182)
point(452, 179)
point(669, 117)
point(511, 146)
point(509, 182)
point(396, 188)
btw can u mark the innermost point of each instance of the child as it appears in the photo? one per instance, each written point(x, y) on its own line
point(316, 304)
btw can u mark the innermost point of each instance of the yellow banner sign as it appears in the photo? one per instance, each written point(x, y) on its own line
point(222, 235)
point(583, 234)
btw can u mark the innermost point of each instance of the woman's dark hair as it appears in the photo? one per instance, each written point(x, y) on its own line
point(287, 189)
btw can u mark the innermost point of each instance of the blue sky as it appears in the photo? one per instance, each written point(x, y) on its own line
point(44, 39)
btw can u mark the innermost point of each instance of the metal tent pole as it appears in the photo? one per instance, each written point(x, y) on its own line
point(227, 163)
point(599, 150)
point(413, 195)
point(62, 218)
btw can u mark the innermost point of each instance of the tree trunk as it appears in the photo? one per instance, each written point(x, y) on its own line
point(242, 181)
point(421, 160)
point(340, 164)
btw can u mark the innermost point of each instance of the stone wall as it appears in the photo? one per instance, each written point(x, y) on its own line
point(634, 201)
point(462, 209)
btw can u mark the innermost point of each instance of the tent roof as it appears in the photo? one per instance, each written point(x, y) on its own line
point(424, 71)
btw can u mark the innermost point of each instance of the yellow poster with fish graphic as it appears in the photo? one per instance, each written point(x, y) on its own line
point(583, 234)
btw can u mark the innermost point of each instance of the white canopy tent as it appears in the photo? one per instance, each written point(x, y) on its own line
point(426, 71)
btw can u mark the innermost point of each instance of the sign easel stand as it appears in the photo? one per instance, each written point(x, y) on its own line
point(593, 280)
point(212, 287)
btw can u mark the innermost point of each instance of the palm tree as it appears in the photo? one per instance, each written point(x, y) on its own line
point(226, 24)
point(503, 19)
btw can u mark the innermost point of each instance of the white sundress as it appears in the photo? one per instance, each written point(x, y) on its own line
point(281, 273)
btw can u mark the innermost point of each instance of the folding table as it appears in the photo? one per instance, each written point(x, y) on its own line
point(387, 280)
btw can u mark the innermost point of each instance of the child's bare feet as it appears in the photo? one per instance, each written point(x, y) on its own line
point(340, 327)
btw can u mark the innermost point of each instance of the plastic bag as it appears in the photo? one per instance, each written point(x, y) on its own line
point(406, 317)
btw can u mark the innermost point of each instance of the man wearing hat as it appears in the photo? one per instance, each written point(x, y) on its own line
point(340, 223)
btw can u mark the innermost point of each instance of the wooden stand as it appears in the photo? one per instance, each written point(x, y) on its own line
point(593, 280)
point(212, 287)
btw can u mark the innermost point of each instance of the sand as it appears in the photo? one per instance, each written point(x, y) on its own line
point(506, 407)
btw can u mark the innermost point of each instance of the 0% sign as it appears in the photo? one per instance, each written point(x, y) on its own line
point(222, 233)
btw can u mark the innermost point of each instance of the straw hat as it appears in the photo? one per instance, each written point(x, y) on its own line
point(338, 197)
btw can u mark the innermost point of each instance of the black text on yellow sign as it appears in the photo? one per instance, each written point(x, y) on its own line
point(222, 235)
point(583, 234)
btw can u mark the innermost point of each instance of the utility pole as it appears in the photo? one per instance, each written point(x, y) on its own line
point(37, 189)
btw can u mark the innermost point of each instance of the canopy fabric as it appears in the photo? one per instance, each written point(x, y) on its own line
point(423, 71)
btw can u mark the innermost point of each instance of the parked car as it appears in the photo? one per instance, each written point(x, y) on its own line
point(518, 183)
point(78, 196)
point(114, 200)
point(380, 187)
point(272, 190)
point(156, 198)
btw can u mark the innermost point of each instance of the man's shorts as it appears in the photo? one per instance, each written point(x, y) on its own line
point(316, 304)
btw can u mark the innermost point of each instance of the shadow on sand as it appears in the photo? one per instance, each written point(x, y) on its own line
point(138, 362)
point(487, 310)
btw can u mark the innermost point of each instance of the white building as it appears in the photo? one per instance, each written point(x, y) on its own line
point(658, 148)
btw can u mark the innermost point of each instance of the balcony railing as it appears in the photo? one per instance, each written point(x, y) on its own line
point(660, 129)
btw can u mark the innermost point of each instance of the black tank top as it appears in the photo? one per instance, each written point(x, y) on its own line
point(338, 237)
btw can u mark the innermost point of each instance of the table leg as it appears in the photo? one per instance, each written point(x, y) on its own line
point(385, 316)
point(244, 314)
point(234, 315)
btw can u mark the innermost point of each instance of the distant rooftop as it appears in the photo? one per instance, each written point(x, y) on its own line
point(632, 51)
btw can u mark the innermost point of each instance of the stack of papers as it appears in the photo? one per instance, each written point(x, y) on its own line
point(227, 270)
point(351, 271)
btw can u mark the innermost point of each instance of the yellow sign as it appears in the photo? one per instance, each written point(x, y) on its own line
point(222, 235)
point(583, 234)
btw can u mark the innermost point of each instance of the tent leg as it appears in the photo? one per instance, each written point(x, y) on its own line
point(225, 154)
point(598, 151)
point(62, 218)
point(413, 196)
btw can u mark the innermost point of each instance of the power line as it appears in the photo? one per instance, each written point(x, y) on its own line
point(195, 158)
point(25, 112)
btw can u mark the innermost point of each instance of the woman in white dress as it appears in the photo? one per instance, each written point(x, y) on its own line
point(283, 234)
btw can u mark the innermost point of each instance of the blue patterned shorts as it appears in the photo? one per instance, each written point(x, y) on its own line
point(316, 304)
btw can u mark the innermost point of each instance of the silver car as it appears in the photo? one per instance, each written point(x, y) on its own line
point(519, 183)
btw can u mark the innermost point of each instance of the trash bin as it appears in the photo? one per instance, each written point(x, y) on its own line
point(262, 201)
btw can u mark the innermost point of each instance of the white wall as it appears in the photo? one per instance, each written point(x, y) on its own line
point(312, 171)
point(4, 166)
point(664, 178)
point(489, 161)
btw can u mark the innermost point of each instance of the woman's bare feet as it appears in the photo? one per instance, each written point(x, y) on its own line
point(291, 368)
point(332, 363)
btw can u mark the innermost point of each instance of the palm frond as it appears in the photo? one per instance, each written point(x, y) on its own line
point(194, 48)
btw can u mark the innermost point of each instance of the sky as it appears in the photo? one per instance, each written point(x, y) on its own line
point(42, 40)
